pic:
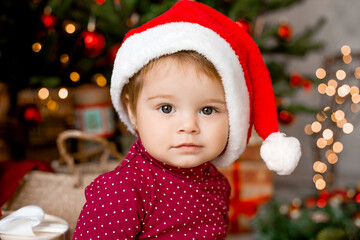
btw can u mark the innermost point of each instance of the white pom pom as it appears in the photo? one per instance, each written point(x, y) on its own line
point(280, 153)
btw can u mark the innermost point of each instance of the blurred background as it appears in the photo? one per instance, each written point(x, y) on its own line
point(56, 59)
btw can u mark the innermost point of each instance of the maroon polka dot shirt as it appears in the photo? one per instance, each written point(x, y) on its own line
point(144, 198)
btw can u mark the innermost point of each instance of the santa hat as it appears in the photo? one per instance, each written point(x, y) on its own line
point(250, 100)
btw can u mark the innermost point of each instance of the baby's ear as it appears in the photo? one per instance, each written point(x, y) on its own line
point(130, 112)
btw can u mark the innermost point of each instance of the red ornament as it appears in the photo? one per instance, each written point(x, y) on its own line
point(100, 2)
point(32, 114)
point(112, 52)
point(286, 117)
point(246, 25)
point(48, 20)
point(307, 85)
point(93, 42)
point(357, 198)
point(295, 80)
point(284, 32)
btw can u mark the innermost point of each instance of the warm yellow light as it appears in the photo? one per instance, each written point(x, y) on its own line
point(328, 134)
point(36, 47)
point(345, 50)
point(355, 108)
point(348, 128)
point(343, 90)
point(355, 98)
point(70, 28)
point(340, 74)
point(308, 130)
point(339, 115)
point(354, 90)
point(74, 76)
point(43, 93)
point(63, 93)
point(317, 177)
point(333, 117)
point(52, 105)
point(337, 147)
point(329, 141)
point(316, 127)
point(321, 116)
point(64, 58)
point(326, 108)
point(320, 184)
point(339, 100)
point(321, 143)
point(100, 80)
point(330, 91)
point(333, 83)
point(320, 73)
point(341, 123)
point(319, 167)
point(347, 59)
point(332, 158)
point(322, 88)
point(328, 152)
point(357, 73)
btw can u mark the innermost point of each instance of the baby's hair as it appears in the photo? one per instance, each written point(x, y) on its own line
point(133, 88)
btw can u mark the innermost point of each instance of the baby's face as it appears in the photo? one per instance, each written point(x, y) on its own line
point(181, 115)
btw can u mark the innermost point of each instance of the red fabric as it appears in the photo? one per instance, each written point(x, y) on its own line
point(147, 199)
point(11, 174)
point(263, 110)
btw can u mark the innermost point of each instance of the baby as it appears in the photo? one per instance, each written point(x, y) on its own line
point(190, 84)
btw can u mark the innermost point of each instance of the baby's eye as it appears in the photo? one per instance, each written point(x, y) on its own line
point(166, 109)
point(208, 110)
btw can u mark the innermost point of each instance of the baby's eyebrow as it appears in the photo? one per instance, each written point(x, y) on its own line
point(165, 96)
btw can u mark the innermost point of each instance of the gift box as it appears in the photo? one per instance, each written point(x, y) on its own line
point(251, 186)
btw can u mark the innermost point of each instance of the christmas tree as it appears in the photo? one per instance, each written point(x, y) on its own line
point(53, 43)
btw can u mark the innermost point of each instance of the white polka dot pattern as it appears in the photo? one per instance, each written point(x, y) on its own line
point(144, 198)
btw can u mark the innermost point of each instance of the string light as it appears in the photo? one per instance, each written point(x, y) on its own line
point(328, 134)
point(337, 147)
point(330, 91)
point(316, 127)
point(344, 90)
point(36, 47)
point(355, 98)
point(52, 105)
point(321, 116)
point(341, 123)
point(339, 115)
point(317, 177)
point(321, 143)
point(340, 74)
point(70, 28)
point(332, 158)
point(320, 73)
point(357, 73)
point(348, 128)
point(43, 93)
point(74, 76)
point(322, 88)
point(333, 83)
point(64, 58)
point(100, 80)
point(347, 59)
point(345, 50)
point(63, 93)
point(354, 90)
point(308, 130)
point(320, 184)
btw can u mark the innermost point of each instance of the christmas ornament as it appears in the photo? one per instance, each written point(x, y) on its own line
point(31, 114)
point(100, 2)
point(48, 20)
point(295, 80)
point(286, 117)
point(246, 25)
point(112, 52)
point(93, 42)
point(284, 32)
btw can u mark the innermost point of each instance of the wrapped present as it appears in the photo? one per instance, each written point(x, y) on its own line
point(251, 186)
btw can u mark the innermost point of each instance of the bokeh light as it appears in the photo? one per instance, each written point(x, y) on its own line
point(43, 93)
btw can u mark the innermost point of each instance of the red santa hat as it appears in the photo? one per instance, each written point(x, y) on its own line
point(250, 100)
